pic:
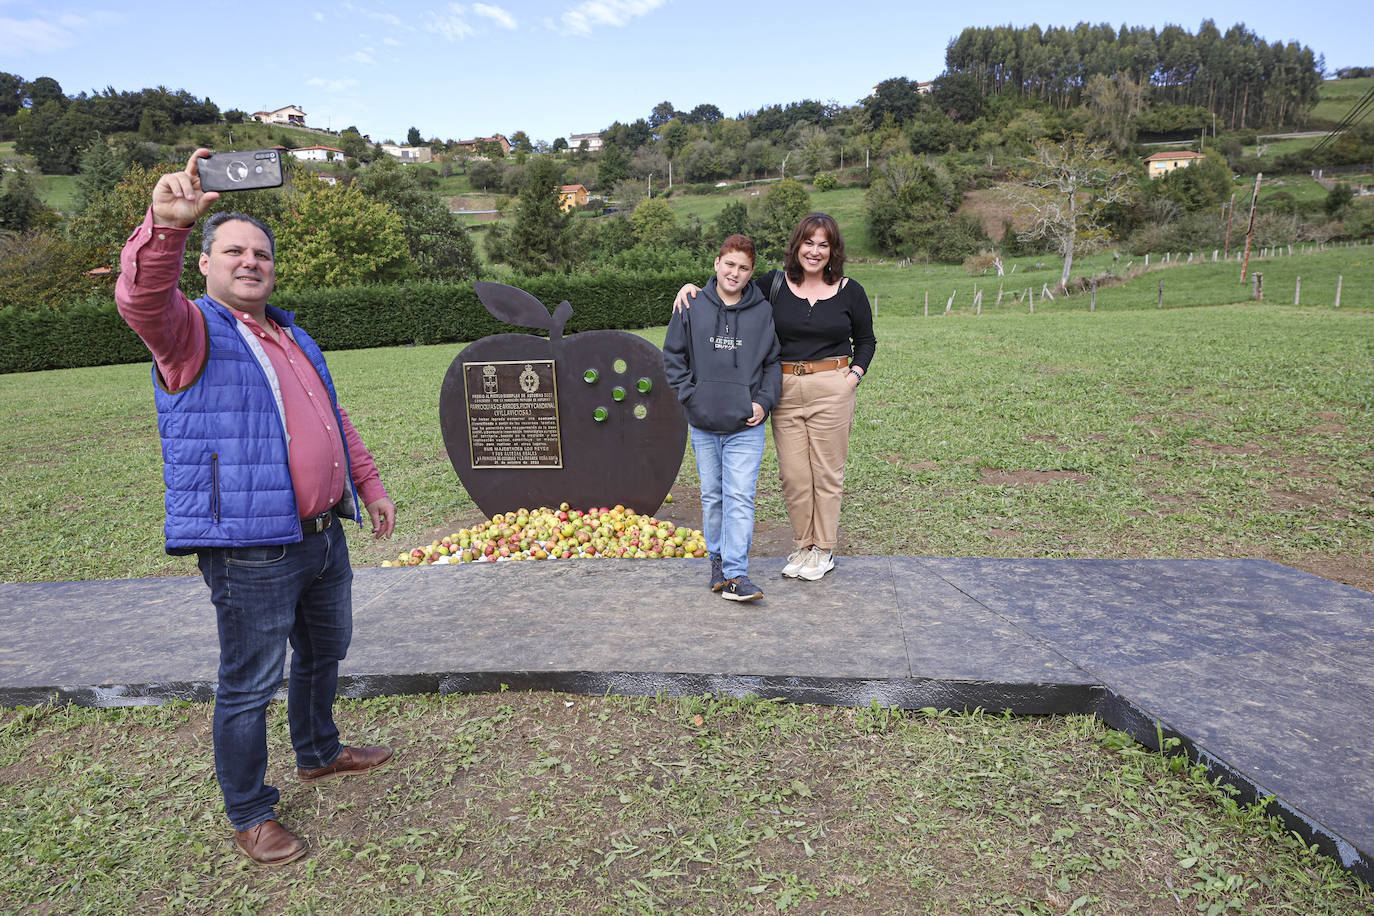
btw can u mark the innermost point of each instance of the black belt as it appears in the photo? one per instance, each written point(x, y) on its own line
point(318, 523)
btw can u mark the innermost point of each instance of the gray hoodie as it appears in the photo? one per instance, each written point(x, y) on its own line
point(721, 358)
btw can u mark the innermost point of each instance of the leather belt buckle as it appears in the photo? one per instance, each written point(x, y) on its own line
point(318, 523)
point(799, 369)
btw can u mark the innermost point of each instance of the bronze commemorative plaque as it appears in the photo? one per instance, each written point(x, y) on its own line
point(512, 414)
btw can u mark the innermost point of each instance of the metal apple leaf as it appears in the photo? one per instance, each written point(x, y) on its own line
point(515, 306)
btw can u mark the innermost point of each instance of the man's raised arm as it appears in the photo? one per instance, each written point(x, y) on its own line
point(150, 267)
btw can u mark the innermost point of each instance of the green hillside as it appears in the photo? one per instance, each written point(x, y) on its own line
point(1338, 97)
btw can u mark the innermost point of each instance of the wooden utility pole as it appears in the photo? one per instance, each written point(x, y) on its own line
point(1250, 232)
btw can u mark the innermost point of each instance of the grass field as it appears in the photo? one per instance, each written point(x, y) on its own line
point(1213, 430)
point(1338, 97)
point(1210, 431)
point(90, 510)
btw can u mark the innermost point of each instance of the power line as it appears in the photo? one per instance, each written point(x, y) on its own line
point(1352, 117)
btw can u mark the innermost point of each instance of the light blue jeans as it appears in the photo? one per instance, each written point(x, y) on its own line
point(728, 465)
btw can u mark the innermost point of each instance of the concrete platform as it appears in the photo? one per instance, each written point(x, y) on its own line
point(1266, 674)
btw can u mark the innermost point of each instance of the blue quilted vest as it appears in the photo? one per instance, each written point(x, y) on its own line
point(224, 443)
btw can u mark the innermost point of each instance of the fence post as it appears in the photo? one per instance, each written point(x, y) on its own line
point(1160, 303)
point(1338, 290)
point(1297, 290)
point(1092, 302)
point(1257, 287)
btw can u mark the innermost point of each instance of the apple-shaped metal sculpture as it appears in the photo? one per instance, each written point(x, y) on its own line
point(587, 419)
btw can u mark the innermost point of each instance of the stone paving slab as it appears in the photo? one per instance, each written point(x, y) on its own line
point(1265, 673)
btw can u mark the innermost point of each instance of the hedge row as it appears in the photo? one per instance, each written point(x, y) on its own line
point(91, 333)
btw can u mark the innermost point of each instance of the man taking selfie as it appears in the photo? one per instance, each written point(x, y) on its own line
point(261, 466)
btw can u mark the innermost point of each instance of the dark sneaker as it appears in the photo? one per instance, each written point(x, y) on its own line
point(741, 589)
point(717, 575)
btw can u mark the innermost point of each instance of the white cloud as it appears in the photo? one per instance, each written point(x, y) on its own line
point(362, 56)
point(35, 35)
point(497, 15)
point(452, 22)
point(337, 85)
point(582, 18)
point(391, 42)
point(319, 17)
point(388, 18)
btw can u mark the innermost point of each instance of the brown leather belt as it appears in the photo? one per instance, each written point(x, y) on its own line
point(318, 523)
point(808, 366)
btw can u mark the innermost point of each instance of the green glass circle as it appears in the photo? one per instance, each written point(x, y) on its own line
point(620, 365)
point(644, 386)
point(600, 414)
point(618, 393)
point(590, 376)
point(641, 411)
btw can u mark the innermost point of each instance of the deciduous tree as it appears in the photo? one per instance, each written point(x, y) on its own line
point(439, 246)
point(779, 211)
point(336, 236)
point(898, 98)
point(1063, 193)
point(663, 113)
point(653, 222)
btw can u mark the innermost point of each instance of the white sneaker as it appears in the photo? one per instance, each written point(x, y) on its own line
point(817, 564)
point(795, 561)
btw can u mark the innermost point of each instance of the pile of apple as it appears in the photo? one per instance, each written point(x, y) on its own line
point(562, 533)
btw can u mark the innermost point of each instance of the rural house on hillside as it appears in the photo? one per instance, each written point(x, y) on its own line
point(593, 142)
point(317, 153)
point(1161, 164)
point(475, 145)
point(290, 115)
point(571, 195)
point(409, 153)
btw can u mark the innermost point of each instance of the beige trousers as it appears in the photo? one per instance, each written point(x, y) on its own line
point(811, 427)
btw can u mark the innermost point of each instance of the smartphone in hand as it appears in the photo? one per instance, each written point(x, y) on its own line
point(245, 171)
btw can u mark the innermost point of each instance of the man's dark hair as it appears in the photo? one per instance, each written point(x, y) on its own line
point(207, 231)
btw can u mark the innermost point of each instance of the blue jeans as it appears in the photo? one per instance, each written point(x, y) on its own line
point(266, 597)
point(728, 465)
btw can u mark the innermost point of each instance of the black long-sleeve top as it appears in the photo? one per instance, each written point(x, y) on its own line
point(839, 326)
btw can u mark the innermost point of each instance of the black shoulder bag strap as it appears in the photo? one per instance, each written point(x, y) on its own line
point(777, 285)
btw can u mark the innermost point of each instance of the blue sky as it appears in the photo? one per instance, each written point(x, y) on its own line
point(553, 68)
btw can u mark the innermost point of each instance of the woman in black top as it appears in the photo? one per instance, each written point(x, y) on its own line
point(825, 329)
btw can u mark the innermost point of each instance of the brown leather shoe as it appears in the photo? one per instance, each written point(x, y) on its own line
point(350, 762)
point(269, 843)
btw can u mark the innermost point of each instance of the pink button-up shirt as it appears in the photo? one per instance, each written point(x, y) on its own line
point(174, 330)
